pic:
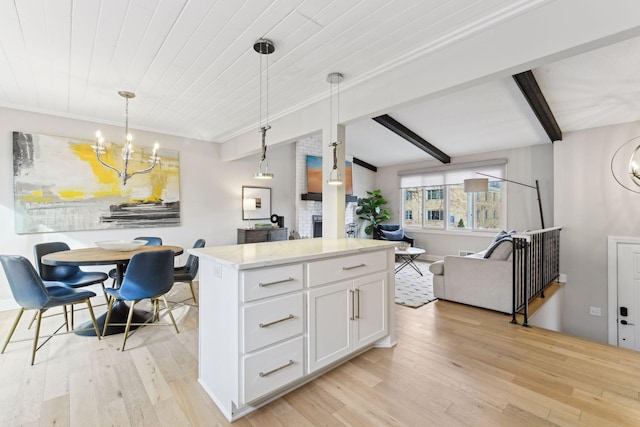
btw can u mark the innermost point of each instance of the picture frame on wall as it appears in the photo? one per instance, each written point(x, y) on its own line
point(262, 197)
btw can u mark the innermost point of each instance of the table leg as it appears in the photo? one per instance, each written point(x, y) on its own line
point(408, 260)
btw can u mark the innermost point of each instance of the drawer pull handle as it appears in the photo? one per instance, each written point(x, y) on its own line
point(290, 279)
point(354, 266)
point(264, 325)
point(265, 374)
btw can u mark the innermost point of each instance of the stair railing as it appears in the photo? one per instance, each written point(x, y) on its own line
point(536, 264)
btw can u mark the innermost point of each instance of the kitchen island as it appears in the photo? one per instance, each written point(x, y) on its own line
point(275, 315)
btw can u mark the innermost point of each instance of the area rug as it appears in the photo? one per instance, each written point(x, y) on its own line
point(413, 290)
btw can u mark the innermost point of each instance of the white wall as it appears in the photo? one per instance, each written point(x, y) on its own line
point(524, 165)
point(210, 189)
point(590, 206)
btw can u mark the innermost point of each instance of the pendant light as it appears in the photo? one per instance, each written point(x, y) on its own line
point(334, 175)
point(264, 47)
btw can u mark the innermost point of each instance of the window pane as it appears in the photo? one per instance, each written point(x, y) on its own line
point(434, 207)
point(488, 208)
point(459, 208)
point(412, 207)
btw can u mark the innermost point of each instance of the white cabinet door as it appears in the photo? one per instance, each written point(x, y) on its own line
point(330, 312)
point(370, 309)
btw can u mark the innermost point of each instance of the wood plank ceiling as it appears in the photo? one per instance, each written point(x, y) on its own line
point(191, 62)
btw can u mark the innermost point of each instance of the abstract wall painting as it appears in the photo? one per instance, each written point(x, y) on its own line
point(314, 175)
point(59, 185)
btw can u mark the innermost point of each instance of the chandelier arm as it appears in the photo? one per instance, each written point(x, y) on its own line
point(107, 165)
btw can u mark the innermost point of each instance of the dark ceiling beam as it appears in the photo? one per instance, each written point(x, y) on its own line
point(400, 129)
point(531, 91)
point(365, 164)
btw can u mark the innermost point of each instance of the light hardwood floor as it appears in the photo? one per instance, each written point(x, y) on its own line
point(453, 365)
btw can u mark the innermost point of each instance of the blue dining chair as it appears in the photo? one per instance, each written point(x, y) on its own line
point(149, 275)
point(151, 241)
point(30, 293)
point(69, 275)
point(187, 272)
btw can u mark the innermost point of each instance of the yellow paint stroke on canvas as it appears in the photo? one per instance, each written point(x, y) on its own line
point(105, 176)
point(72, 194)
point(36, 196)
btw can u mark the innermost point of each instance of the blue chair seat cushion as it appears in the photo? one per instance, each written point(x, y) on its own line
point(392, 235)
point(85, 278)
point(60, 295)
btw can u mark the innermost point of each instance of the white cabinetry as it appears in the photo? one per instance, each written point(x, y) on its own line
point(275, 315)
point(345, 315)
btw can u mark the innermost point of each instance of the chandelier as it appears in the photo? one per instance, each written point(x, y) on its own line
point(264, 47)
point(625, 165)
point(127, 149)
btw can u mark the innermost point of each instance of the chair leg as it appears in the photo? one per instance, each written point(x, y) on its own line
point(93, 318)
point(35, 338)
point(106, 320)
point(129, 318)
point(66, 319)
point(193, 292)
point(170, 314)
point(13, 329)
point(104, 291)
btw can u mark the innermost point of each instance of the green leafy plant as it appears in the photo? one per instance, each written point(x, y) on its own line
point(371, 209)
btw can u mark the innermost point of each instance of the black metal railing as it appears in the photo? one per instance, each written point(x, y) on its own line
point(536, 264)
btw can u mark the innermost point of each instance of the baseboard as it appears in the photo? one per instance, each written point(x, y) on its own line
point(8, 304)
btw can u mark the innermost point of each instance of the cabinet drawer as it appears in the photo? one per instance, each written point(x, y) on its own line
point(271, 321)
point(266, 371)
point(335, 269)
point(268, 282)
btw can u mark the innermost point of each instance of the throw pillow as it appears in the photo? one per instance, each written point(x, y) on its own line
point(391, 235)
point(500, 249)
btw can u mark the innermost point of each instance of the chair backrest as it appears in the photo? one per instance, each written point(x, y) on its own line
point(148, 274)
point(53, 272)
point(26, 286)
point(151, 241)
point(192, 261)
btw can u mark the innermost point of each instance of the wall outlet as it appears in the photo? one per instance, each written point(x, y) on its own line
point(595, 311)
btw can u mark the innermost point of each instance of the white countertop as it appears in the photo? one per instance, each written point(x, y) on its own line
point(254, 255)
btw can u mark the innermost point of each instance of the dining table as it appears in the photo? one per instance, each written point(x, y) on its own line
point(99, 256)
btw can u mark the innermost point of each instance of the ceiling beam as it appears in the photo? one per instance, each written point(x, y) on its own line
point(400, 129)
point(365, 164)
point(534, 96)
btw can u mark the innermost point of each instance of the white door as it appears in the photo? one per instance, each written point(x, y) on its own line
point(330, 312)
point(628, 308)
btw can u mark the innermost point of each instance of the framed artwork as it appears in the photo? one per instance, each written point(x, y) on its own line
point(262, 197)
point(59, 185)
point(314, 175)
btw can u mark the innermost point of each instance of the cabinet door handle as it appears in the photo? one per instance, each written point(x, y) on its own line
point(264, 325)
point(354, 266)
point(357, 291)
point(265, 374)
point(290, 279)
point(352, 316)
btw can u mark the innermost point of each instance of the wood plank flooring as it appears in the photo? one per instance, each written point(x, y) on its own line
point(453, 365)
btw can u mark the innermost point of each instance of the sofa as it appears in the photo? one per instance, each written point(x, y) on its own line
point(391, 232)
point(483, 279)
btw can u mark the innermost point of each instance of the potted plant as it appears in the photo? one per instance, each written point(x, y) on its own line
point(370, 209)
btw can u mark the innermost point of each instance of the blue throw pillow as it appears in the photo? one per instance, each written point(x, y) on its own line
point(391, 235)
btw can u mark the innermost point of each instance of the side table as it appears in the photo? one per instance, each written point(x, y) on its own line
point(407, 257)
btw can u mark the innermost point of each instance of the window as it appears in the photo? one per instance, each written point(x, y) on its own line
point(434, 194)
point(437, 200)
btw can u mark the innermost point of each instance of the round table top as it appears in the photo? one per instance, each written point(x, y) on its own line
point(99, 256)
point(410, 251)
